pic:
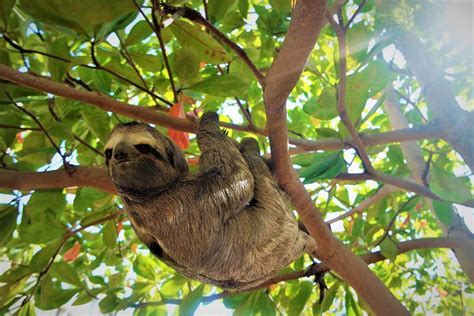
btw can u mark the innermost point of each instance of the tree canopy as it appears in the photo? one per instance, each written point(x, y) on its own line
point(364, 106)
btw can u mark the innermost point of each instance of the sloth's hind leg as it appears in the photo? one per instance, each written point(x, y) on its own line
point(267, 193)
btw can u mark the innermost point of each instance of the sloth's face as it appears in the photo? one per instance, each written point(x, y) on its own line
point(141, 161)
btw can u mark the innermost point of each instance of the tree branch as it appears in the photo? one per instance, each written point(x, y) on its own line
point(306, 23)
point(341, 96)
point(101, 100)
point(94, 177)
point(381, 194)
point(146, 114)
point(195, 16)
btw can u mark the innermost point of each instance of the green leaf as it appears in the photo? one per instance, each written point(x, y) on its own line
point(232, 301)
point(43, 200)
point(6, 8)
point(147, 62)
point(351, 305)
point(324, 132)
point(264, 305)
point(94, 217)
point(388, 249)
point(8, 216)
point(243, 8)
point(42, 257)
point(109, 234)
point(76, 15)
point(325, 107)
point(138, 33)
point(49, 296)
point(299, 301)
point(186, 63)
point(172, 286)
point(97, 120)
point(145, 267)
point(27, 310)
point(87, 198)
point(444, 211)
point(37, 233)
point(58, 47)
point(323, 166)
point(82, 298)
point(358, 38)
point(209, 49)
point(217, 9)
point(108, 303)
point(66, 273)
point(329, 296)
point(449, 187)
point(191, 301)
point(282, 6)
point(222, 86)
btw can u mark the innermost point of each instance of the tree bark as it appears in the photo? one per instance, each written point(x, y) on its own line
point(94, 177)
point(306, 23)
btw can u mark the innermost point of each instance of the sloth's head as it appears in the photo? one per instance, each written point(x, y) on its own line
point(141, 161)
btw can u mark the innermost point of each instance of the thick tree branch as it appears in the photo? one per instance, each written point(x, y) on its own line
point(94, 177)
point(149, 115)
point(306, 23)
point(406, 246)
point(102, 101)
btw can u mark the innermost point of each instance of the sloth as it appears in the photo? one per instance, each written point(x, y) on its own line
point(229, 224)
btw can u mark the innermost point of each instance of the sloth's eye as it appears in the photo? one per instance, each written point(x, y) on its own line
point(144, 148)
point(108, 154)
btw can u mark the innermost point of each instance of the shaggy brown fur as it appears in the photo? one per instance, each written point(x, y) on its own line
point(228, 225)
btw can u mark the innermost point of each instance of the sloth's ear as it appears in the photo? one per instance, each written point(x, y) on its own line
point(176, 156)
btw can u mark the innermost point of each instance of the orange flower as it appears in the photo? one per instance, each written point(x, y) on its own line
point(180, 138)
point(73, 253)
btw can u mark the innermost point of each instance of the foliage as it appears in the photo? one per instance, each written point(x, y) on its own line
point(74, 245)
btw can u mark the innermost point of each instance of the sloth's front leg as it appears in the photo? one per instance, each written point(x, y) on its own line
point(231, 183)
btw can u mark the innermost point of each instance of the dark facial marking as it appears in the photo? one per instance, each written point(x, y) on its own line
point(107, 155)
point(147, 149)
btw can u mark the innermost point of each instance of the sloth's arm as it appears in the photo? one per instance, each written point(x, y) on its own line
point(228, 180)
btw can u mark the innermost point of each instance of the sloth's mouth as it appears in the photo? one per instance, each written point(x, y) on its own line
point(123, 161)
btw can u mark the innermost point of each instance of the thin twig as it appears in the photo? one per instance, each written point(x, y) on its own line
point(157, 30)
point(348, 24)
point(83, 142)
point(341, 94)
point(125, 54)
point(392, 221)
point(19, 127)
point(195, 16)
point(381, 194)
point(33, 117)
point(409, 101)
point(21, 50)
point(31, 51)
